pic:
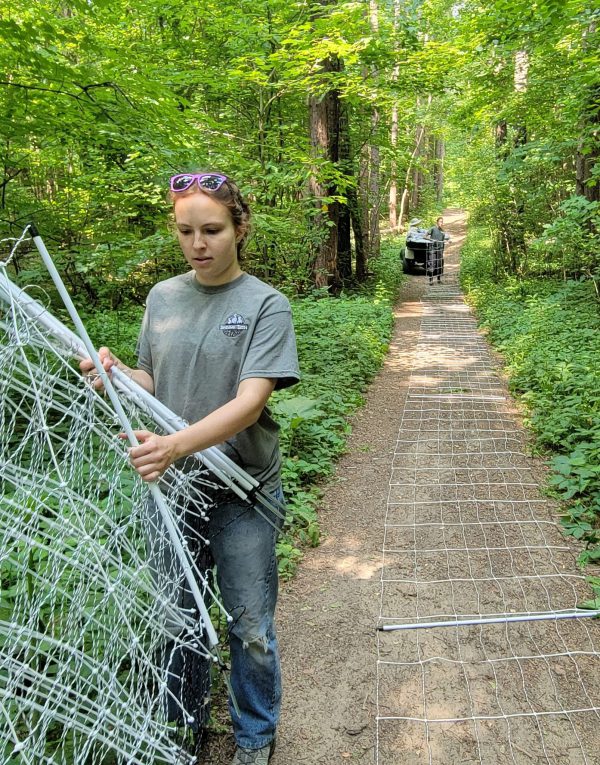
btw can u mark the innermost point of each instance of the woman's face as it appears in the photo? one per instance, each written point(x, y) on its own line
point(440, 222)
point(208, 238)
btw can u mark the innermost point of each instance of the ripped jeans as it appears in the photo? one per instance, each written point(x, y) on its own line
point(243, 547)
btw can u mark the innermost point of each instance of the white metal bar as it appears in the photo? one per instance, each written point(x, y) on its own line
point(172, 530)
point(551, 616)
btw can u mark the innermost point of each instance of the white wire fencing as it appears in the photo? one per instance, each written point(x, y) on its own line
point(104, 654)
point(471, 543)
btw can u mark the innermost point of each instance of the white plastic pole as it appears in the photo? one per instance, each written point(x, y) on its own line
point(172, 530)
point(494, 620)
point(220, 464)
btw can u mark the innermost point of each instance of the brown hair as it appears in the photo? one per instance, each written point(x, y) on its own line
point(230, 197)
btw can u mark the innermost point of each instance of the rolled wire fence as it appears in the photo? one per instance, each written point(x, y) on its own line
point(483, 653)
point(106, 609)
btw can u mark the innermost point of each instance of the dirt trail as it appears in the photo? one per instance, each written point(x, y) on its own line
point(342, 678)
point(328, 613)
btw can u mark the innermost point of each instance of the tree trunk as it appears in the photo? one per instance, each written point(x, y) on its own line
point(411, 190)
point(362, 200)
point(415, 188)
point(501, 136)
point(438, 172)
point(359, 238)
point(374, 195)
point(393, 193)
point(512, 235)
point(588, 148)
point(344, 251)
point(324, 135)
point(374, 155)
point(588, 155)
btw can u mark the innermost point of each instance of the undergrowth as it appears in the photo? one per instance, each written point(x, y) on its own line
point(549, 334)
point(342, 342)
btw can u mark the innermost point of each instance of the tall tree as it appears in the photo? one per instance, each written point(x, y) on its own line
point(588, 144)
point(324, 114)
point(374, 194)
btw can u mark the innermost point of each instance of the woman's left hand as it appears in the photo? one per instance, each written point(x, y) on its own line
point(153, 456)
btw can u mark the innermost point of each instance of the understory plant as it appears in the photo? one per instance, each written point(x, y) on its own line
point(548, 330)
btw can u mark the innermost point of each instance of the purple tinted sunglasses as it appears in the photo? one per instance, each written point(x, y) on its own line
point(206, 181)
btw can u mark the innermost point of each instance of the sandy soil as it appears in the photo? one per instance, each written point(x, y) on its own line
point(327, 617)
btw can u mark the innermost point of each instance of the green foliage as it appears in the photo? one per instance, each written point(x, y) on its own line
point(526, 114)
point(117, 329)
point(103, 101)
point(569, 245)
point(341, 345)
point(594, 604)
point(549, 334)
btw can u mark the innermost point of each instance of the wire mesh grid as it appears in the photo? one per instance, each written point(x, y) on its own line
point(469, 536)
point(102, 656)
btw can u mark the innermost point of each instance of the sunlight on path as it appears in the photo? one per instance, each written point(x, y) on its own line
point(468, 534)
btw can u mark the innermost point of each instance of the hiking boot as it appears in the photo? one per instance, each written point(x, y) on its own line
point(253, 756)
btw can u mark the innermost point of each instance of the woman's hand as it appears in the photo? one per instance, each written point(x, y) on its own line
point(153, 456)
point(155, 453)
point(88, 368)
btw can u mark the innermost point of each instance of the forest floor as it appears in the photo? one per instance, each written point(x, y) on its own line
point(337, 687)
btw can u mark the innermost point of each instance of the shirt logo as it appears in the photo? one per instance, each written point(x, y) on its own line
point(234, 325)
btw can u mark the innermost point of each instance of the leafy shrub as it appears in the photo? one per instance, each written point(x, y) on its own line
point(549, 334)
point(570, 245)
point(118, 330)
point(342, 342)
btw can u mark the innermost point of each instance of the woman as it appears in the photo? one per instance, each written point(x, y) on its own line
point(215, 342)
point(435, 255)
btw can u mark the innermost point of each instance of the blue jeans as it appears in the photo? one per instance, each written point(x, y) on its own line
point(243, 547)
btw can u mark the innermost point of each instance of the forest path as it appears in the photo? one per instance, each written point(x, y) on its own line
point(436, 512)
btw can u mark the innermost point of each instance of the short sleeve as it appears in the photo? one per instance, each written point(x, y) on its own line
point(272, 350)
point(143, 348)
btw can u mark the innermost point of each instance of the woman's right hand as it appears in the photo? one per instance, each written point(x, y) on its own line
point(89, 371)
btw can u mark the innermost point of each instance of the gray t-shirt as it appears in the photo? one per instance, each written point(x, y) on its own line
point(198, 343)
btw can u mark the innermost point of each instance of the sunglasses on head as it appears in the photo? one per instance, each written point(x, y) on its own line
point(206, 181)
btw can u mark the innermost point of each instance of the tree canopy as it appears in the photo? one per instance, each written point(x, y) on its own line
point(329, 114)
